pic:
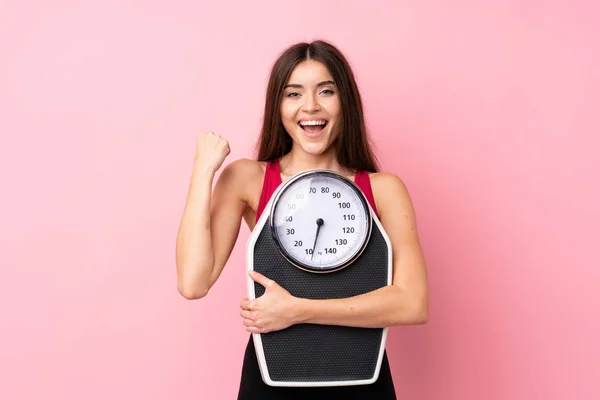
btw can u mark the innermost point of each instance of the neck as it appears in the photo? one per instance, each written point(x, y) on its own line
point(297, 161)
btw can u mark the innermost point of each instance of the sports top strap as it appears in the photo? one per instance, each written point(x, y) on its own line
point(272, 181)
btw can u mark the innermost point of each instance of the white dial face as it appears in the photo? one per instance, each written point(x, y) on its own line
point(321, 221)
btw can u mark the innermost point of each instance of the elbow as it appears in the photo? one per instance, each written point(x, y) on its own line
point(192, 292)
point(420, 314)
point(421, 317)
point(416, 312)
point(191, 285)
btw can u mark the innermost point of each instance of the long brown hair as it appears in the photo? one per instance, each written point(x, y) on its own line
point(353, 147)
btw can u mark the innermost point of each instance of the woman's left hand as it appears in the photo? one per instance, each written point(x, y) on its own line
point(274, 310)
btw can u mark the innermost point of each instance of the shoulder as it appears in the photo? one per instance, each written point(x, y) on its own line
point(242, 176)
point(385, 178)
point(243, 169)
point(390, 192)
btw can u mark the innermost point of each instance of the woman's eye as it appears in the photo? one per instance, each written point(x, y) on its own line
point(293, 94)
point(327, 91)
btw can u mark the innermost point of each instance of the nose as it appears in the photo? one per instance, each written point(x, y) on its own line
point(311, 104)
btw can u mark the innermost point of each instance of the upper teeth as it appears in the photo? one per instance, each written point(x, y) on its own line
point(304, 123)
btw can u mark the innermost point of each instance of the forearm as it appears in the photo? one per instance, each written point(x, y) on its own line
point(195, 255)
point(384, 307)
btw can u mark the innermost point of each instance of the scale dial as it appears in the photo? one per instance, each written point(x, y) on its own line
point(321, 221)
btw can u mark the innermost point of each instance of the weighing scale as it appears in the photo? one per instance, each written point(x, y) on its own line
point(319, 238)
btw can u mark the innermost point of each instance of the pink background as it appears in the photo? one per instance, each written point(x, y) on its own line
point(488, 110)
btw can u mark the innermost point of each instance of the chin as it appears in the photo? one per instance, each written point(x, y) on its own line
point(315, 149)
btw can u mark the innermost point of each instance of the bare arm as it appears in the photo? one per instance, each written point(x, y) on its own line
point(384, 307)
point(405, 302)
point(210, 223)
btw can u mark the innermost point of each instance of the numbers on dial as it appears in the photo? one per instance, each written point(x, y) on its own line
point(321, 221)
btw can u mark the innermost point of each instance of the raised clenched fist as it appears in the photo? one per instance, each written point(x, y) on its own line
point(211, 151)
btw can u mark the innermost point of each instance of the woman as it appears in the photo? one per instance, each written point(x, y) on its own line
point(313, 119)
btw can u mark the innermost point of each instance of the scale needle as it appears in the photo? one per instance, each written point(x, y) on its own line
point(319, 223)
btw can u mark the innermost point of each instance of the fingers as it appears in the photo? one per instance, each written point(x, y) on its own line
point(249, 318)
point(247, 305)
point(260, 278)
point(244, 303)
point(251, 324)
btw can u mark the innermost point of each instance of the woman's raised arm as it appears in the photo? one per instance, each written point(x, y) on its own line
point(211, 219)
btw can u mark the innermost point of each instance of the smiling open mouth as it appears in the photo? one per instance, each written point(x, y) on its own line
point(313, 126)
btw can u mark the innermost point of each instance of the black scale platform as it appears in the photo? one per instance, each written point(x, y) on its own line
point(319, 355)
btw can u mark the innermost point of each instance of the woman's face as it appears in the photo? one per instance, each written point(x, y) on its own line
point(311, 111)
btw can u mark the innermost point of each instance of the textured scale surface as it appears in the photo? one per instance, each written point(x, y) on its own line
point(317, 353)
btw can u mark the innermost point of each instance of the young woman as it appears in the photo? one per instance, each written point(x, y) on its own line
point(313, 119)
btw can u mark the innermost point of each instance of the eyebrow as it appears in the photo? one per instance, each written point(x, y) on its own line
point(322, 83)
